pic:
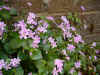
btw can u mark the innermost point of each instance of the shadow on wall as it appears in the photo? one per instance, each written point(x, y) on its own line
point(46, 5)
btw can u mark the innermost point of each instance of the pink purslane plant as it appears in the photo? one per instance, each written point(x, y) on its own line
point(29, 4)
point(13, 63)
point(2, 28)
point(65, 19)
point(65, 54)
point(82, 8)
point(36, 41)
point(30, 73)
point(2, 64)
point(59, 66)
point(78, 64)
point(72, 70)
point(78, 39)
point(41, 29)
point(31, 18)
point(2, 25)
point(5, 7)
point(53, 43)
point(50, 18)
point(71, 47)
point(94, 44)
point(26, 32)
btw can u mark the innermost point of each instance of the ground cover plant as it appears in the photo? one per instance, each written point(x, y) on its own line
point(45, 46)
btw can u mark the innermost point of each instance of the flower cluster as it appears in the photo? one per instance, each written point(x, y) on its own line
point(26, 31)
point(42, 28)
point(69, 46)
point(2, 27)
point(77, 64)
point(5, 7)
point(65, 54)
point(53, 43)
point(65, 26)
point(59, 66)
point(36, 41)
point(31, 19)
point(78, 39)
point(13, 63)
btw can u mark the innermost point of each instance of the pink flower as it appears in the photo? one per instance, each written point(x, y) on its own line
point(79, 73)
point(95, 57)
point(78, 39)
point(50, 18)
point(45, 24)
point(72, 71)
point(2, 25)
point(51, 39)
point(23, 34)
point(44, 41)
point(30, 53)
point(30, 19)
point(83, 8)
point(77, 64)
point(2, 64)
point(53, 43)
point(7, 66)
point(41, 29)
point(36, 41)
point(67, 57)
point(68, 34)
point(73, 28)
point(94, 44)
point(30, 73)
point(1, 73)
point(55, 72)
point(15, 62)
point(59, 64)
point(32, 15)
point(29, 3)
point(71, 47)
point(31, 34)
point(65, 19)
point(5, 7)
point(64, 52)
point(0, 8)
point(97, 51)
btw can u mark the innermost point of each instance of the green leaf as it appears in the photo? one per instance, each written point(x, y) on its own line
point(36, 54)
point(19, 71)
point(59, 39)
point(13, 11)
point(46, 47)
point(8, 72)
point(42, 68)
point(5, 14)
point(22, 55)
point(98, 67)
point(3, 55)
point(8, 49)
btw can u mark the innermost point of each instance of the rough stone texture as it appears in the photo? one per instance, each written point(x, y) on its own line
point(37, 5)
point(93, 21)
